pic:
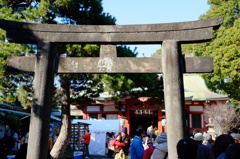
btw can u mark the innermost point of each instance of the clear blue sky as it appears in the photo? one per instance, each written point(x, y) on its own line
point(153, 12)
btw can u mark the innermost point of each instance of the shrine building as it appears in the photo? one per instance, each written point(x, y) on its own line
point(144, 111)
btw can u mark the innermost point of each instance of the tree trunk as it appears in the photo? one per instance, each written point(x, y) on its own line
point(61, 144)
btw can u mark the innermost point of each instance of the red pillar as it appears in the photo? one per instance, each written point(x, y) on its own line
point(160, 120)
point(127, 120)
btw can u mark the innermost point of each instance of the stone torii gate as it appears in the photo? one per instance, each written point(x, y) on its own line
point(172, 64)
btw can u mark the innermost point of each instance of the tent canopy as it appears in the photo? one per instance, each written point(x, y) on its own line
point(100, 125)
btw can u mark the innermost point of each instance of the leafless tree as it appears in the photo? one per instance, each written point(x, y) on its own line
point(224, 116)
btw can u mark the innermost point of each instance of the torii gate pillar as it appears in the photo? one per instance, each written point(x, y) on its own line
point(43, 90)
point(173, 94)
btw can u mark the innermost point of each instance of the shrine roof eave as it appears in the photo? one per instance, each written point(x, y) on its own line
point(203, 96)
point(20, 113)
point(212, 99)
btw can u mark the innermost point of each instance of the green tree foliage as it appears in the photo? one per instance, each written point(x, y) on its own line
point(83, 12)
point(224, 48)
point(12, 120)
point(158, 52)
point(17, 87)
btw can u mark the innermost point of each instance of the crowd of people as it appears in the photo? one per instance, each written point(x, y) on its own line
point(12, 142)
point(205, 146)
point(149, 144)
point(199, 145)
point(142, 145)
point(15, 143)
point(118, 144)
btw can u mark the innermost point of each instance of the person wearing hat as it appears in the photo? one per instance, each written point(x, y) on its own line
point(207, 140)
point(236, 137)
point(203, 150)
point(161, 150)
point(126, 140)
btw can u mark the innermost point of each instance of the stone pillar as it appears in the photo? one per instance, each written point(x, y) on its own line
point(42, 99)
point(173, 94)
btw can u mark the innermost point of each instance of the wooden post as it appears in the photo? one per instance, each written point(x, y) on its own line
point(42, 99)
point(173, 94)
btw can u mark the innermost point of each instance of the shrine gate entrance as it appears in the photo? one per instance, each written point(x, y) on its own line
point(172, 64)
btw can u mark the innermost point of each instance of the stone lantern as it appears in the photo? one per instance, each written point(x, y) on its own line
point(210, 126)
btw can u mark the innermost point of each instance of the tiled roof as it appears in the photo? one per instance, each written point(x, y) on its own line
point(195, 87)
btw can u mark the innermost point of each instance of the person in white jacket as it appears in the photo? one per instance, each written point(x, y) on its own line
point(161, 150)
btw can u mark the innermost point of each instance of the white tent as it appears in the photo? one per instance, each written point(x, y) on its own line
point(98, 130)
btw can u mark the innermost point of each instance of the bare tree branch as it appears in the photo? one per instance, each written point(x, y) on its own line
point(225, 116)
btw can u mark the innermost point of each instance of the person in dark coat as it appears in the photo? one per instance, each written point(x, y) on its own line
point(187, 149)
point(204, 152)
point(109, 138)
point(22, 152)
point(233, 152)
point(6, 145)
point(220, 146)
point(126, 140)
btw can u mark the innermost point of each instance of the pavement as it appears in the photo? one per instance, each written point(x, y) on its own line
point(98, 157)
point(91, 157)
point(101, 157)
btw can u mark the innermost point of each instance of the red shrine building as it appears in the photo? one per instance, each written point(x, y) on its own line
point(143, 112)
